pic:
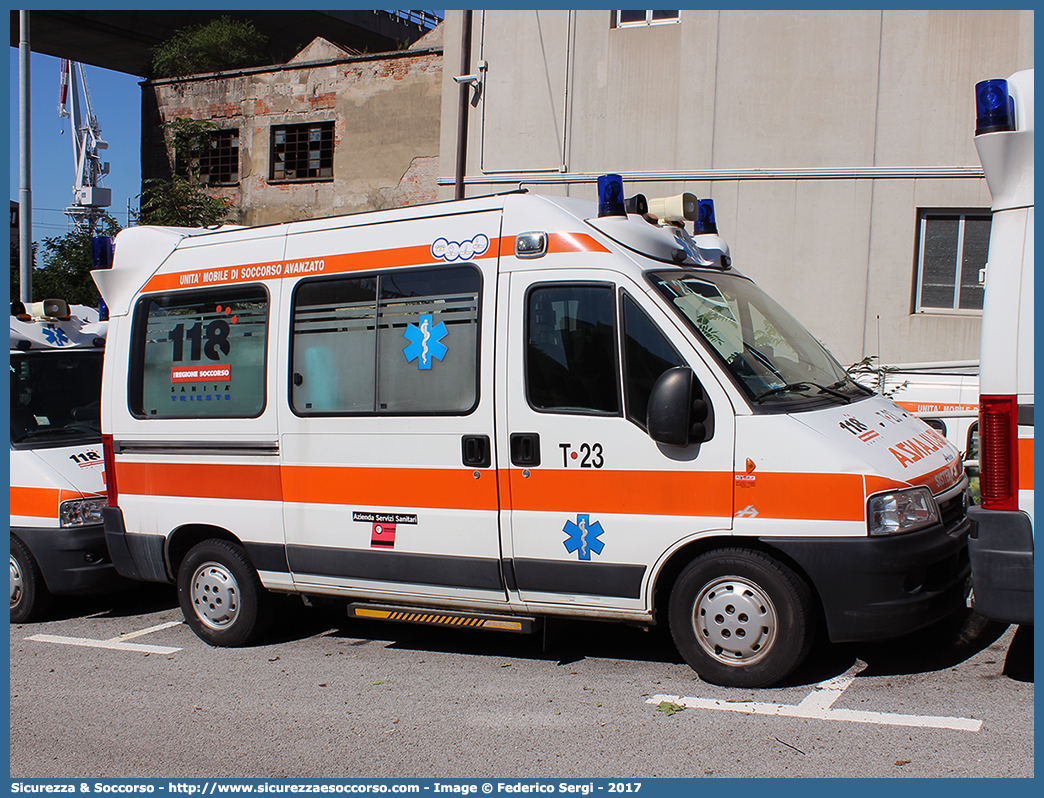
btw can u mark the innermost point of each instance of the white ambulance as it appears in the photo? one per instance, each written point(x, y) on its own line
point(57, 473)
point(495, 410)
point(1001, 543)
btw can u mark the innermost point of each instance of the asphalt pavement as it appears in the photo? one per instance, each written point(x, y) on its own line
point(119, 687)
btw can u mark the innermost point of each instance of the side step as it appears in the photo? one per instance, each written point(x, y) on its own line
point(498, 623)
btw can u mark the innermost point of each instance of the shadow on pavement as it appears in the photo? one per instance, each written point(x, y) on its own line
point(944, 645)
point(567, 641)
point(136, 598)
point(557, 640)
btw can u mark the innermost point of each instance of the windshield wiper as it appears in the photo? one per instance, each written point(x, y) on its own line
point(52, 432)
point(856, 383)
point(805, 385)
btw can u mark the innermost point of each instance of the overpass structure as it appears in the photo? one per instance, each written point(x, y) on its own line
point(122, 40)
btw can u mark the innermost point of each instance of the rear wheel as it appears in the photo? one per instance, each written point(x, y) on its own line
point(30, 597)
point(221, 594)
point(740, 618)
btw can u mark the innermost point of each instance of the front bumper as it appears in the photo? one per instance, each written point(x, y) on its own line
point(1001, 550)
point(875, 588)
point(73, 560)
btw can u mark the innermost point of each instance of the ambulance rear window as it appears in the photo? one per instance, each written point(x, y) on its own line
point(200, 354)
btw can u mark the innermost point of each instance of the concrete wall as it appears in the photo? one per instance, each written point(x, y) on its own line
point(855, 119)
point(385, 111)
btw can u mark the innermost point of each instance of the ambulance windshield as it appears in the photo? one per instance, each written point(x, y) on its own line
point(770, 355)
point(55, 398)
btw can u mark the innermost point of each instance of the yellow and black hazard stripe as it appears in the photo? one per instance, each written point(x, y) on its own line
point(500, 623)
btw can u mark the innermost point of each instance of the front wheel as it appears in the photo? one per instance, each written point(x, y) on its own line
point(740, 618)
point(221, 594)
point(30, 597)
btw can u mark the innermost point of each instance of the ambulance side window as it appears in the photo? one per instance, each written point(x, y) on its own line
point(334, 341)
point(404, 342)
point(571, 349)
point(200, 354)
point(647, 354)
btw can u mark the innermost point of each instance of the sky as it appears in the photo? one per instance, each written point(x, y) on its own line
point(116, 101)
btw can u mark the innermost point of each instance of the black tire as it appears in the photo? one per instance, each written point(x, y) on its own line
point(221, 594)
point(740, 618)
point(30, 597)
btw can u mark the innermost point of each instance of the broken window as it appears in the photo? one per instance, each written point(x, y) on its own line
point(219, 162)
point(302, 152)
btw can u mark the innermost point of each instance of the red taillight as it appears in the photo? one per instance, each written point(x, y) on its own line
point(998, 452)
point(110, 471)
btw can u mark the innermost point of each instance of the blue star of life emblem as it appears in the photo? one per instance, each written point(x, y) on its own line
point(55, 335)
point(425, 342)
point(583, 536)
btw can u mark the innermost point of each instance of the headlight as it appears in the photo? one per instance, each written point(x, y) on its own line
point(901, 511)
point(80, 512)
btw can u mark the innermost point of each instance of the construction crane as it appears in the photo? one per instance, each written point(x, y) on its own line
point(90, 198)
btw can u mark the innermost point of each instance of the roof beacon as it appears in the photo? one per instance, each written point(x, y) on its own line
point(610, 196)
point(705, 235)
point(704, 222)
point(994, 106)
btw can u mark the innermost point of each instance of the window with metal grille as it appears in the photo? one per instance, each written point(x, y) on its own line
point(303, 152)
point(219, 163)
point(951, 253)
point(633, 19)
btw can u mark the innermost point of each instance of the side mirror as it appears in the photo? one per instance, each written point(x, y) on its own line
point(677, 409)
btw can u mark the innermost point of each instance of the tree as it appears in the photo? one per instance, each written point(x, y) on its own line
point(177, 202)
point(16, 267)
point(219, 44)
point(67, 263)
point(181, 200)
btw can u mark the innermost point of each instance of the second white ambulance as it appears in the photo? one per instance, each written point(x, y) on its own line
point(57, 479)
point(495, 410)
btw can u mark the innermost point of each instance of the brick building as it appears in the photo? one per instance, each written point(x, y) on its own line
point(330, 132)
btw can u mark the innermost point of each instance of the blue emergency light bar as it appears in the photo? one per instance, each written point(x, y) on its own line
point(101, 252)
point(610, 196)
point(994, 107)
point(704, 222)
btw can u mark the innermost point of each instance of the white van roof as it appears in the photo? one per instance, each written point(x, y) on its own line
point(82, 330)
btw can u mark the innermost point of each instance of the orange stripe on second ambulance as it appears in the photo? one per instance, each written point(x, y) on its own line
point(42, 502)
point(35, 502)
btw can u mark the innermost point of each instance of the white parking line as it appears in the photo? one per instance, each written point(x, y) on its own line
point(150, 630)
point(818, 705)
point(116, 643)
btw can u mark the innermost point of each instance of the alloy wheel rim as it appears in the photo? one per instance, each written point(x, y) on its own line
point(215, 595)
point(735, 621)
